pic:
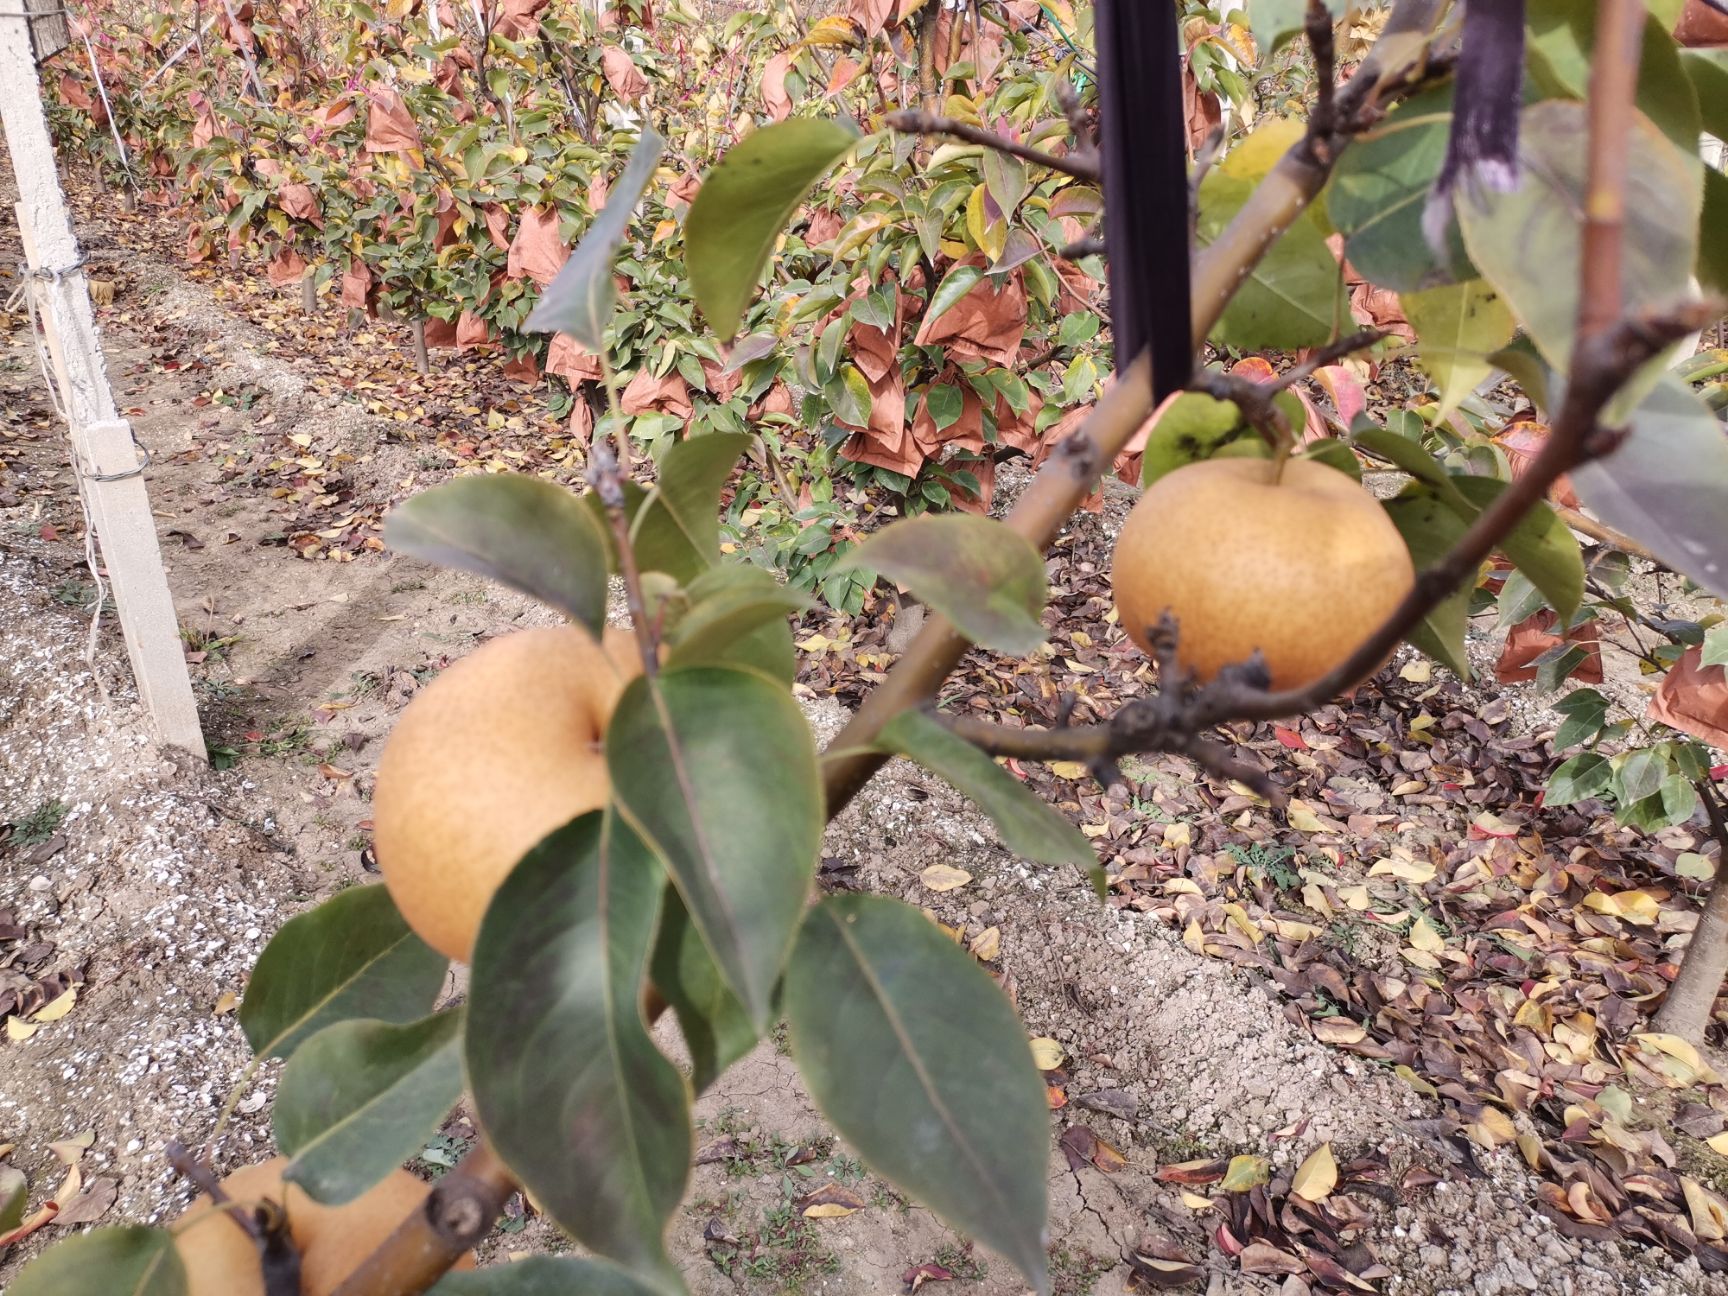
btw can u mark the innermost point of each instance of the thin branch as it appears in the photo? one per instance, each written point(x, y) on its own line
point(608, 472)
point(1613, 84)
point(1607, 535)
point(1258, 400)
point(918, 122)
point(1317, 27)
point(456, 1214)
point(1091, 245)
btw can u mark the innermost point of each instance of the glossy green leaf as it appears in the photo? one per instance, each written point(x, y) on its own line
point(567, 1082)
point(1584, 711)
point(530, 534)
point(744, 204)
point(728, 603)
point(1562, 40)
point(1380, 188)
point(1288, 299)
point(1430, 527)
point(361, 1097)
point(1540, 546)
point(1459, 326)
point(1029, 827)
point(1666, 486)
point(1707, 70)
point(717, 769)
point(1409, 456)
point(917, 1058)
point(989, 581)
point(959, 281)
point(581, 298)
point(677, 528)
point(1664, 190)
point(715, 1027)
point(1519, 600)
point(543, 1275)
point(352, 956)
point(129, 1261)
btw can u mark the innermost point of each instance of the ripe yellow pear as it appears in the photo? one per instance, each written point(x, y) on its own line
point(495, 753)
point(222, 1260)
point(1303, 567)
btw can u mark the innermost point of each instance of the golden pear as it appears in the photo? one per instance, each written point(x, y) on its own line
point(1303, 567)
point(495, 753)
point(221, 1258)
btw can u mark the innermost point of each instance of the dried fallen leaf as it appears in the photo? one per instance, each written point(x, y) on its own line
point(1069, 770)
point(71, 1150)
point(1338, 1030)
point(1047, 1054)
point(830, 1201)
point(1263, 1258)
point(1302, 818)
point(1245, 1172)
point(1317, 1176)
point(226, 1002)
point(1425, 938)
point(1418, 872)
point(58, 1007)
point(944, 877)
point(987, 945)
point(17, 1029)
point(1195, 1202)
point(91, 1204)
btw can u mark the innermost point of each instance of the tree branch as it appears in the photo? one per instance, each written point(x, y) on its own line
point(456, 1215)
point(918, 122)
point(1396, 64)
point(1613, 85)
point(1258, 400)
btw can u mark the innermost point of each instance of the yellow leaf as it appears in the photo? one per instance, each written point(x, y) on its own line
point(1492, 1128)
point(1047, 1054)
point(1708, 1212)
point(1638, 907)
point(1425, 938)
point(836, 30)
point(991, 236)
point(71, 1150)
point(1067, 769)
point(18, 1029)
point(1405, 870)
point(1246, 1172)
point(1317, 1176)
point(226, 1002)
point(827, 1210)
point(1178, 834)
point(58, 1007)
point(1415, 1081)
point(1182, 886)
point(987, 944)
point(1408, 786)
point(1194, 1201)
point(1192, 937)
point(1302, 818)
point(1253, 157)
point(1531, 1148)
point(1417, 671)
point(1338, 1030)
point(944, 877)
point(1718, 1143)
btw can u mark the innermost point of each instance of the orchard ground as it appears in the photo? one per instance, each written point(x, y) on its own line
point(276, 444)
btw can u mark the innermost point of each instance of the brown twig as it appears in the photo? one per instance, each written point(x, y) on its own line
point(1613, 85)
point(918, 122)
point(1077, 462)
point(455, 1215)
point(1607, 535)
point(265, 1223)
point(1074, 112)
point(1317, 27)
point(1258, 400)
point(1091, 245)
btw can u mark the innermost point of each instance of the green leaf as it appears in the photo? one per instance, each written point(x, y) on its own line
point(1541, 546)
point(1666, 486)
point(1194, 427)
point(1637, 774)
point(1459, 327)
point(129, 1261)
point(946, 403)
point(1562, 41)
point(850, 395)
point(1029, 827)
point(1584, 776)
point(360, 1097)
point(529, 534)
point(989, 581)
point(1715, 646)
point(352, 956)
point(1430, 528)
point(1005, 178)
point(1713, 232)
point(1409, 456)
point(677, 528)
point(580, 300)
point(717, 769)
point(1519, 600)
point(1555, 666)
point(1584, 712)
point(1276, 22)
point(1707, 70)
point(728, 603)
point(959, 281)
point(743, 205)
point(1380, 188)
point(916, 1056)
point(715, 1027)
point(544, 1276)
point(1287, 300)
point(1664, 190)
point(567, 1082)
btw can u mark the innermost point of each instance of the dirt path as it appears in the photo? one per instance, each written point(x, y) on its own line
point(153, 883)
